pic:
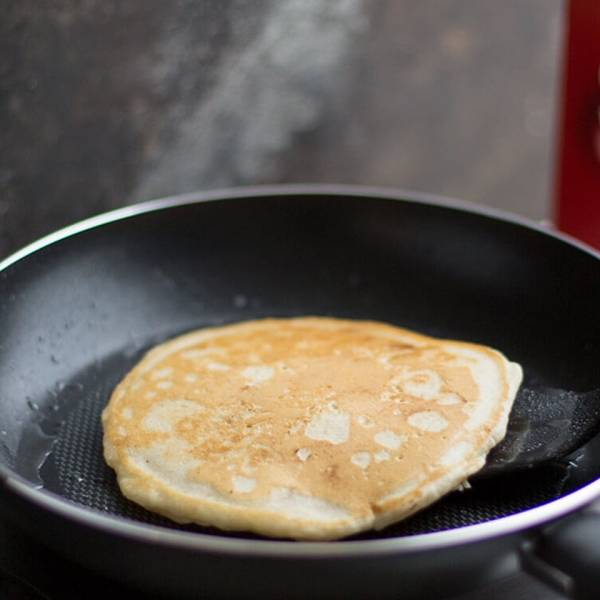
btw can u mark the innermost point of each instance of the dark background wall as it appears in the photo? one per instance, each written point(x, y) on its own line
point(106, 103)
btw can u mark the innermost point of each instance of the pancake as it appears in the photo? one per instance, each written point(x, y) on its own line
point(309, 428)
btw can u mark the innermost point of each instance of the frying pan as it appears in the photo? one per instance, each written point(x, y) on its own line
point(80, 307)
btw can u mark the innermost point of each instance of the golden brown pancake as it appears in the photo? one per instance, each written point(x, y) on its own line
point(306, 428)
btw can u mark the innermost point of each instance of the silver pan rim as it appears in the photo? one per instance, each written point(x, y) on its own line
point(519, 523)
point(158, 204)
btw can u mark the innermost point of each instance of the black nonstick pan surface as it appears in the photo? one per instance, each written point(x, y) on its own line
point(79, 308)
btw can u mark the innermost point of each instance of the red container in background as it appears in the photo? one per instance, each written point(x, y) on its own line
point(577, 201)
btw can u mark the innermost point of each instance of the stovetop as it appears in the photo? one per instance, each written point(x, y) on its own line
point(29, 571)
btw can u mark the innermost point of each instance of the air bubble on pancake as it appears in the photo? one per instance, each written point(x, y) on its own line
point(365, 421)
point(389, 439)
point(449, 399)
point(428, 420)
point(382, 456)
point(296, 427)
point(127, 413)
point(329, 426)
point(191, 377)
point(385, 359)
point(392, 391)
point(258, 374)
point(164, 415)
point(162, 373)
point(215, 366)
point(422, 383)
point(303, 453)
point(196, 353)
point(246, 467)
point(363, 352)
point(164, 385)
point(361, 459)
point(244, 484)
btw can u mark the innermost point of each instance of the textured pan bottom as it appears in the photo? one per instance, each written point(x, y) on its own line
point(75, 467)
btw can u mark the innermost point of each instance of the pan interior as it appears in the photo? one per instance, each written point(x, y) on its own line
point(76, 315)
